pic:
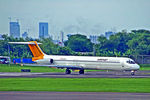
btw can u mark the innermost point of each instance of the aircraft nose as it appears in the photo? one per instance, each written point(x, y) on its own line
point(136, 67)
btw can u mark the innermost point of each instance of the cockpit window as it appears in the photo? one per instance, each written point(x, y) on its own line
point(130, 62)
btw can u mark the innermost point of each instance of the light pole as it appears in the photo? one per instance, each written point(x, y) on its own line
point(9, 54)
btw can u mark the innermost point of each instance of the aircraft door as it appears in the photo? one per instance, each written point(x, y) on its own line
point(123, 65)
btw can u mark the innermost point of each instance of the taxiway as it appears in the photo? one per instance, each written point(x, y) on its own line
point(100, 74)
point(20, 95)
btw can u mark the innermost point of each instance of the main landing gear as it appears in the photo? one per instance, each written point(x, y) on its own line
point(81, 71)
point(68, 71)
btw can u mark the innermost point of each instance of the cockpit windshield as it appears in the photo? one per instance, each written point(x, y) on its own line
point(130, 62)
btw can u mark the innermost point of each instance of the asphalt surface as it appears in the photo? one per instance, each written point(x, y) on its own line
point(73, 96)
point(100, 74)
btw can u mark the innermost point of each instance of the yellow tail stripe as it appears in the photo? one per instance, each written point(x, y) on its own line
point(36, 51)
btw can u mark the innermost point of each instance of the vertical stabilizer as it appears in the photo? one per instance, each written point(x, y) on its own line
point(35, 49)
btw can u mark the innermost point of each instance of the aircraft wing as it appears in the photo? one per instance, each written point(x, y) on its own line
point(57, 66)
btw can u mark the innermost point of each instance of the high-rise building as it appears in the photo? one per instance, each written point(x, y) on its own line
point(25, 35)
point(94, 39)
point(109, 33)
point(43, 30)
point(15, 29)
point(1, 37)
point(62, 38)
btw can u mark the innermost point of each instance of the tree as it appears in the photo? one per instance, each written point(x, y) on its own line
point(79, 43)
point(64, 51)
point(119, 41)
point(121, 44)
point(139, 45)
point(48, 46)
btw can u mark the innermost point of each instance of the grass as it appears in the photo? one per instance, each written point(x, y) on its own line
point(17, 68)
point(76, 84)
point(145, 66)
point(71, 84)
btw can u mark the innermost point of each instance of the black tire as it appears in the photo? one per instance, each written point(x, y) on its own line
point(68, 71)
point(81, 71)
point(132, 73)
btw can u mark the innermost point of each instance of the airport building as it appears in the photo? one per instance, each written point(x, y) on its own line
point(43, 30)
point(15, 29)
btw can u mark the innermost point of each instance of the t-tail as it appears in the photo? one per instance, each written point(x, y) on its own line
point(35, 49)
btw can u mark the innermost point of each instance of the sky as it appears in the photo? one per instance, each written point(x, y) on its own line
point(90, 17)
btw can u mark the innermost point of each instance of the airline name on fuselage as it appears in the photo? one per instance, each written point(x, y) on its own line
point(98, 60)
point(107, 61)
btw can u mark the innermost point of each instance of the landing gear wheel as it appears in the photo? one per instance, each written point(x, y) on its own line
point(68, 71)
point(132, 73)
point(81, 71)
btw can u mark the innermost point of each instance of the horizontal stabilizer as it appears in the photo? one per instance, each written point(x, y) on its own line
point(23, 43)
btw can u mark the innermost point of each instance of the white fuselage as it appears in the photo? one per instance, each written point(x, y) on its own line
point(90, 62)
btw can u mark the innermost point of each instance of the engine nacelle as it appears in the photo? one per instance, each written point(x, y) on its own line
point(51, 61)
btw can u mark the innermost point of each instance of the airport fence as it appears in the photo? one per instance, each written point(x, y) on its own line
point(140, 59)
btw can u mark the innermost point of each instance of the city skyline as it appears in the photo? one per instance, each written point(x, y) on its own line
point(91, 17)
point(14, 29)
point(43, 30)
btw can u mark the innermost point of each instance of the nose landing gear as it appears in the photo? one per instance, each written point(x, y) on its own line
point(132, 72)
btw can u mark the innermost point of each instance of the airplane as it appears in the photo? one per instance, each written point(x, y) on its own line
point(80, 63)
